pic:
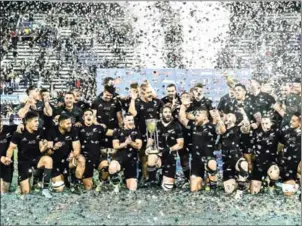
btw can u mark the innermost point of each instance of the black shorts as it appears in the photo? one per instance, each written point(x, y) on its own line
point(25, 168)
point(247, 150)
point(60, 168)
point(169, 164)
point(6, 172)
point(230, 158)
point(90, 165)
point(128, 162)
point(184, 154)
point(289, 171)
point(197, 167)
point(144, 146)
point(259, 172)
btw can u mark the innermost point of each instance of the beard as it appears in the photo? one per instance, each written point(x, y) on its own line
point(166, 120)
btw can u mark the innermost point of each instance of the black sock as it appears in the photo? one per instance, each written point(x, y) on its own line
point(271, 183)
point(186, 171)
point(37, 176)
point(152, 173)
point(66, 180)
point(46, 177)
point(241, 185)
point(74, 179)
point(140, 171)
point(115, 178)
point(213, 184)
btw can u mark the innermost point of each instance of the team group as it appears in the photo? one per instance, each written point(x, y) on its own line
point(63, 143)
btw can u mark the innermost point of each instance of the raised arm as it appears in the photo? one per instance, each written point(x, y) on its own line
point(182, 115)
point(47, 108)
point(132, 109)
point(22, 111)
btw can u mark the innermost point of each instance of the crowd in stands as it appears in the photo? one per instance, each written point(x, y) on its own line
point(90, 25)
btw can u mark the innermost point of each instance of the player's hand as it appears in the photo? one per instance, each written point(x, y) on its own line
point(44, 143)
point(150, 142)
point(134, 95)
point(215, 114)
point(46, 99)
point(30, 101)
point(103, 125)
point(78, 124)
point(6, 160)
point(147, 151)
point(50, 152)
point(128, 140)
point(57, 145)
point(56, 120)
point(71, 156)
point(254, 125)
point(20, 128)
point(277, 107)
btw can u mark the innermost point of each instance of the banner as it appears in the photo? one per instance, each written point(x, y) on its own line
point(13, 98)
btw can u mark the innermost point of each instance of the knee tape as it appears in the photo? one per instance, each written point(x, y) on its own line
point(58, 185)
point(167, 186)
point(243, 173)
point(290, 187)
point(211, 172)
point(151, 168)
point(229, 186)
point(273, 173)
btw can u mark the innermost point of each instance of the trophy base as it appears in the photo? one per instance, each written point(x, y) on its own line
point(151, 151)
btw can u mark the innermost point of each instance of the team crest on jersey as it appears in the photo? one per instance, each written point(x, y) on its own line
point(8, 135)
point(150, 110)
point(4, 141)
point(68, 138)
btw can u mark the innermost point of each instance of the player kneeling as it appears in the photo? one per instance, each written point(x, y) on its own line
point(31, 149)
point(235, 167)
point(65, 152)
point(127, 141)
point(291, 138)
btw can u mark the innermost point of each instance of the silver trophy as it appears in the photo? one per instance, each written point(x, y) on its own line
point(152, 133)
